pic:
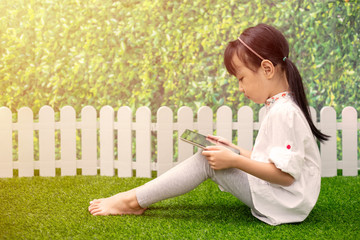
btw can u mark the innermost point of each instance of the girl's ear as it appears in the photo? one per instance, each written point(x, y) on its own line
point(268, 68)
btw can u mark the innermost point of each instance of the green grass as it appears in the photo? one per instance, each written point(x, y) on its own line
point(56, 208)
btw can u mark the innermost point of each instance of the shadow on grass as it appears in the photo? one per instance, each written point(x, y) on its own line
point(202, 212)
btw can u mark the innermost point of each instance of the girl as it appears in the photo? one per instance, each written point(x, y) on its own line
point(280, 178)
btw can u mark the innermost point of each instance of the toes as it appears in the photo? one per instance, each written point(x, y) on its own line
point(93, 207)
point(95, 201)
point(98, 213)
point(90, 208)
point(95, 210)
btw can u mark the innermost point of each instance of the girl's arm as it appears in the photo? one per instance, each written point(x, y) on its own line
point(221, 158)
point(266, 171)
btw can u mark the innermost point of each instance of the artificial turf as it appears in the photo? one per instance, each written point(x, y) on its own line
point(56, 208)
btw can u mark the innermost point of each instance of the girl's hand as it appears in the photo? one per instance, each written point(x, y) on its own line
point(217, 139)
point(220, 157)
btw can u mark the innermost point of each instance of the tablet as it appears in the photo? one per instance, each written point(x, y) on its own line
point(201, 141)
point(195, 138)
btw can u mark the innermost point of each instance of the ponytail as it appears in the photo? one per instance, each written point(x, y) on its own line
point(298, 92)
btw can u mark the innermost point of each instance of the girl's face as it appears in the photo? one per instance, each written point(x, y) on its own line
point(253, 84)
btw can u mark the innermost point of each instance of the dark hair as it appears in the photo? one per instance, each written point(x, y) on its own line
point(270, 43)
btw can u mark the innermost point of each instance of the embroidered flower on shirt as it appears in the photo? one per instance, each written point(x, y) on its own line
point(275, 98)
point(288, 146)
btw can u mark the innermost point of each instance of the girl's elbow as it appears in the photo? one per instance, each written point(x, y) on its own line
point(288, 181)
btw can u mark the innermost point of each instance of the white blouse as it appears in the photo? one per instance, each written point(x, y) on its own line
point(286, 140)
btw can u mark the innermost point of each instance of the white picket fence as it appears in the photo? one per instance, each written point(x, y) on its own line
point(134, 144)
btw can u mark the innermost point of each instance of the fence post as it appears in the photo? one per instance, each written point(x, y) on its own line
point(89, 140)
point(224, 122)
point(26, 142)
point(349, 144)
point(328, 148)
point(47, 141)
point(124, 118)
point(205, 120)
point(107, 141)
point(185, 121)
point(6, 147)
point(68, 141)
point(165, 153)
point(143, 142)
point(245, 128)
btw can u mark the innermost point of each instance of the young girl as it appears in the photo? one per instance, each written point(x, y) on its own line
point(280, 178)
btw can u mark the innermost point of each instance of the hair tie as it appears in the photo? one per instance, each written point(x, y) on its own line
point(284, 59)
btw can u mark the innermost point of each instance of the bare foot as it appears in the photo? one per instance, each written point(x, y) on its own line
point(120, 204)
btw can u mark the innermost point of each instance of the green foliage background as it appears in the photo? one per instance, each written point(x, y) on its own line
point(161, 52)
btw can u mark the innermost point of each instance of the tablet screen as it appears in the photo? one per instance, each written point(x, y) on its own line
point(195, 138)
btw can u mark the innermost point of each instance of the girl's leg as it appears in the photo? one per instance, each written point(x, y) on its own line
point(188, 175)
point(236, 182)
point(177, 181)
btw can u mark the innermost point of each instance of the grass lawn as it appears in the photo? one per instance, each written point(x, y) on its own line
point(56, 208)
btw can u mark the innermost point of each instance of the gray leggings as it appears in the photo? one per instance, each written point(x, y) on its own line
point(188, 175)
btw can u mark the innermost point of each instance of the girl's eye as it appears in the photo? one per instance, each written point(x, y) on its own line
point(240, 79)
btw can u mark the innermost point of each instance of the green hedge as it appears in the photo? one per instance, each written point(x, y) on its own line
point(155, 53)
